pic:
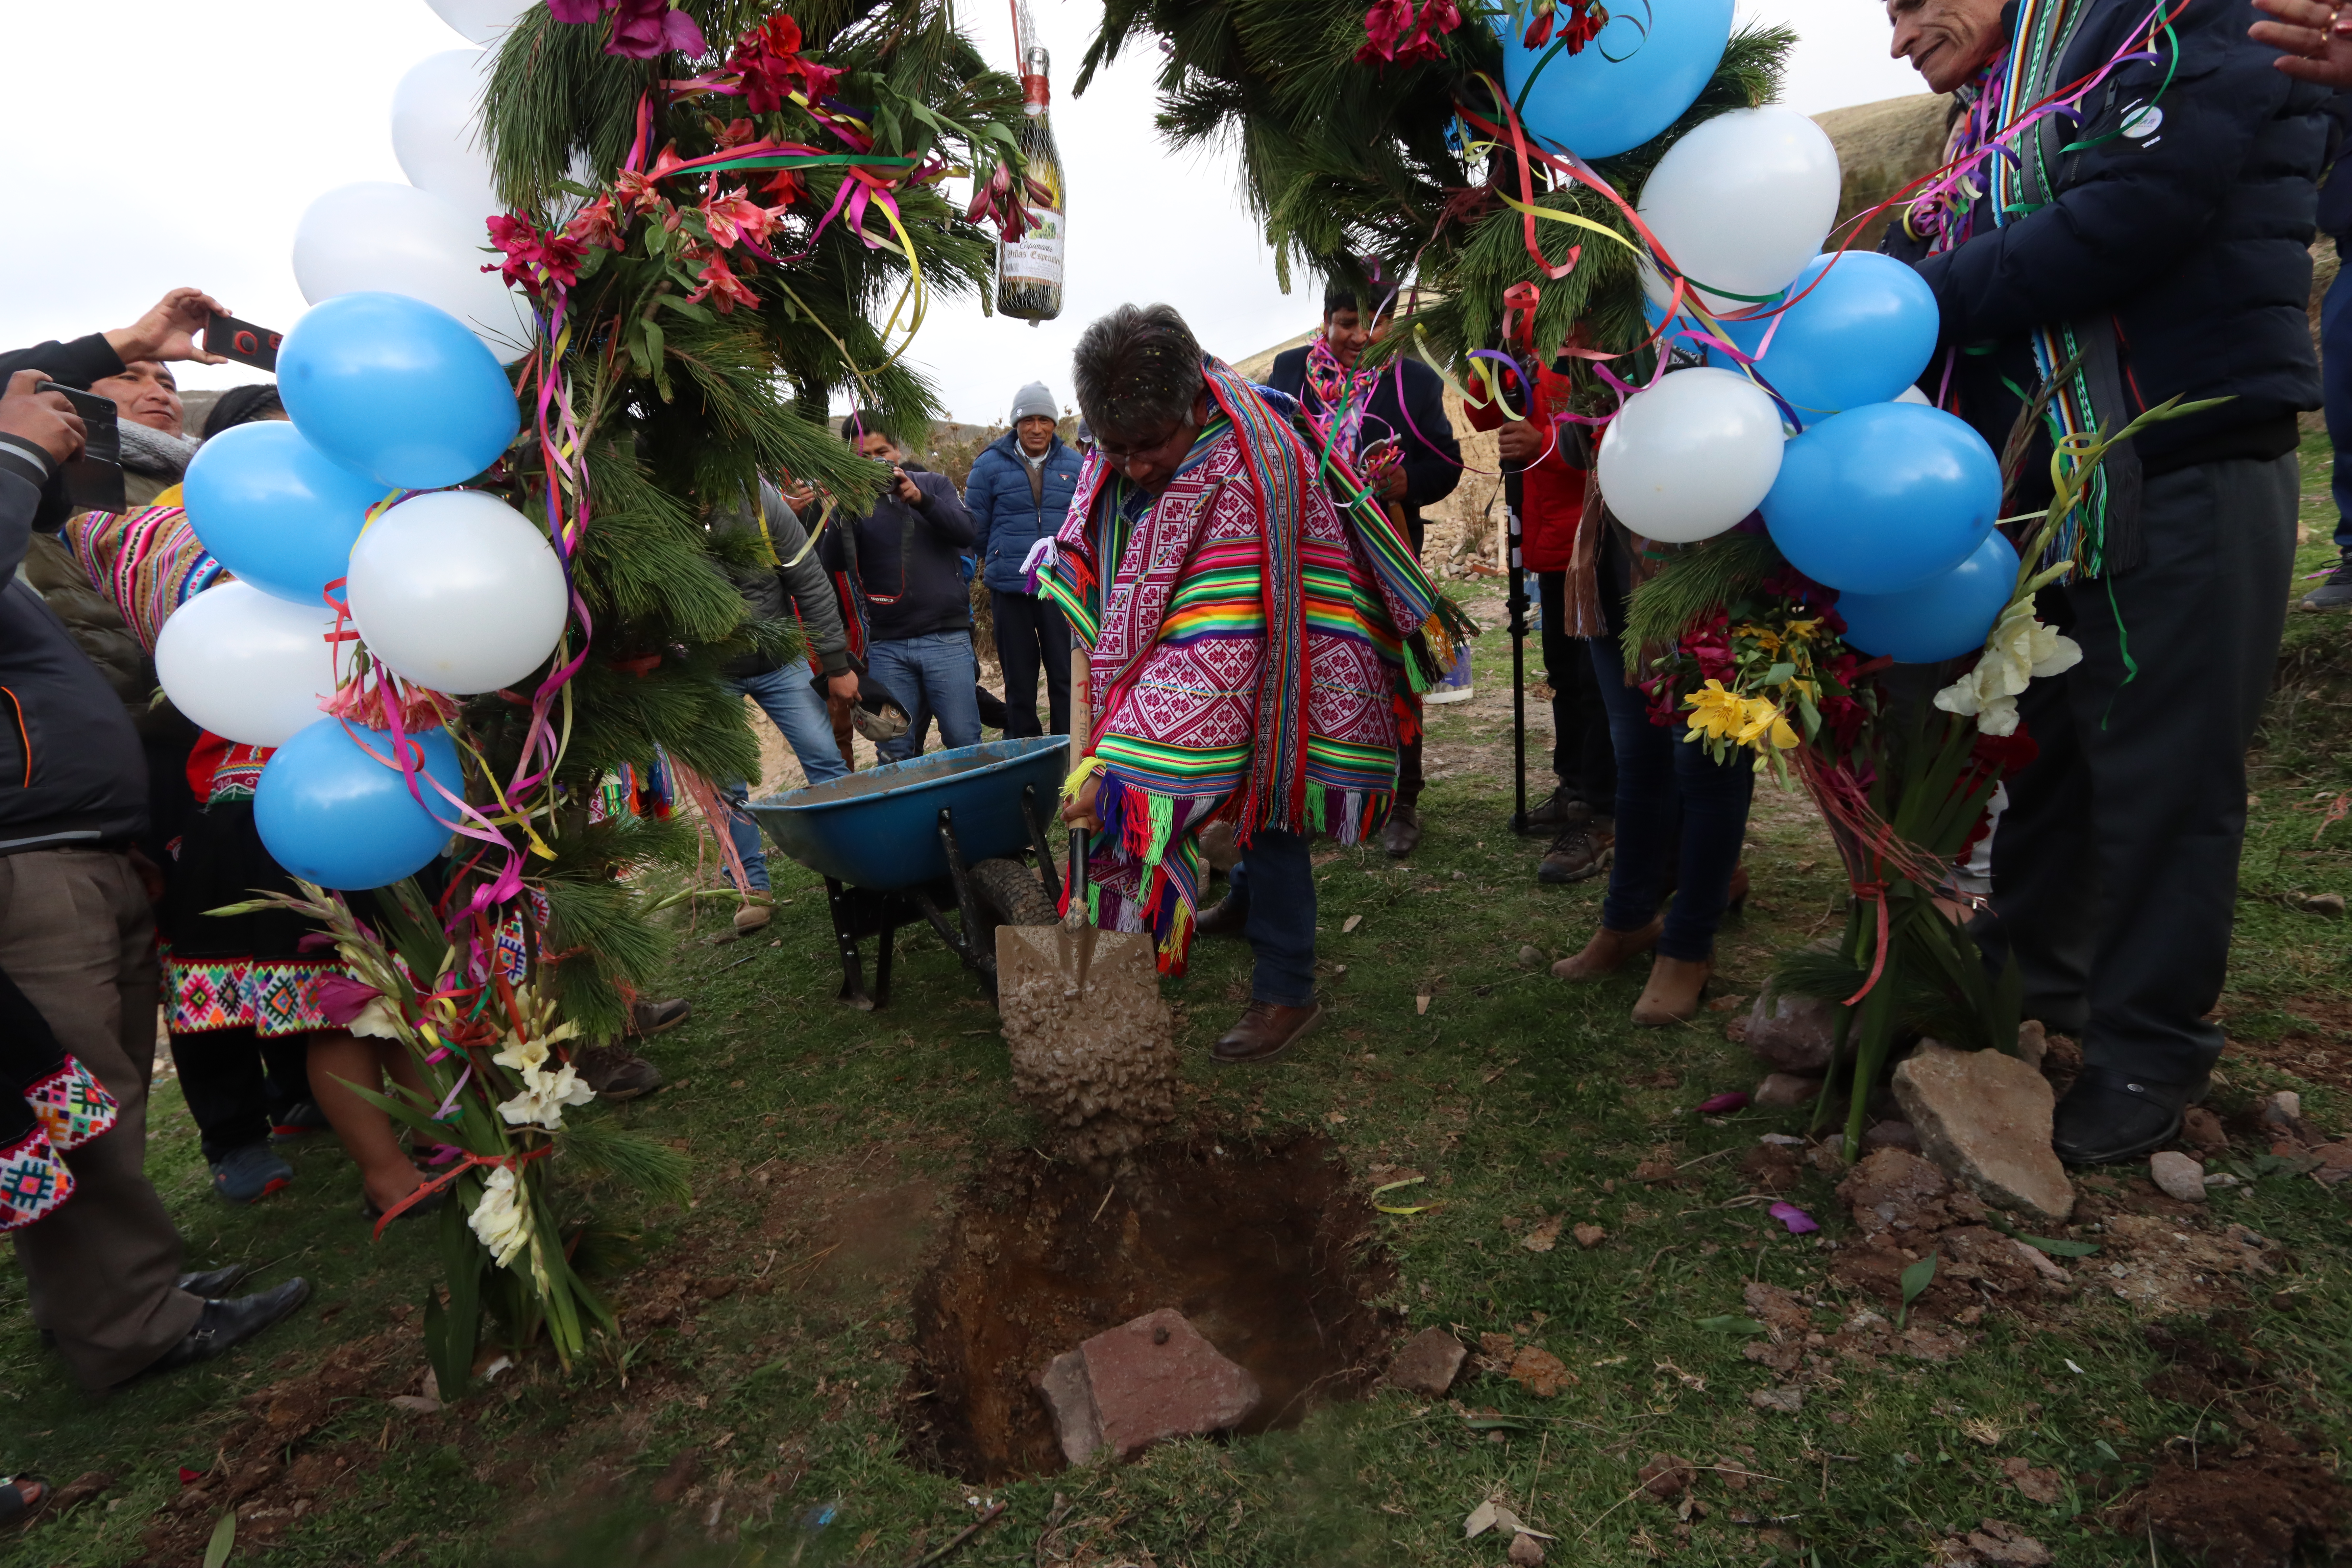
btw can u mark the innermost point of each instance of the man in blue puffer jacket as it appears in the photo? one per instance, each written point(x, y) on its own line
point(1019, 488)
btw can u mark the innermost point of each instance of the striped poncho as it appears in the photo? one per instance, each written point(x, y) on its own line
point(1246, 659)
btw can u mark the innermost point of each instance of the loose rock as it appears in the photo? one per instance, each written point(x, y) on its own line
point(2328, 904)
point(1156, 1378)
point(2202, 1127)
point(1070, 1399)
point(1994, 1544)
point(1531, 957)
point(1792, 1033)
point(1787, 1401)
point(1984, 1119)
point(2032, 1043)
point(1429, 1364)
point(1526, 1550)
point(1589, 1236)
point(1666, 1476)
point(1890, 1136)
point(2177, 1175)
point(1781, 1089)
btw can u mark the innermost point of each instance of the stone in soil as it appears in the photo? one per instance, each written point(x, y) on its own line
point(2201, 1128)
point(2177, 1175)
point(1070, 1396)
point(1156, 1378)
point(1792, 1034)
point(1429, 1364)
point(1781, 1090)
point(1984, 1119)
point(1890, 1136)
point(2032, 1043)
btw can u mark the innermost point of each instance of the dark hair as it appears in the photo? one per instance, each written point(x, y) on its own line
point(865, 422)
point(1338, 295)
point(1137, 367)
point(242, 405)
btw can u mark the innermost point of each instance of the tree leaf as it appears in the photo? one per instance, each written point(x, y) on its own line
point(1733, 1324)
point(223, 1540)
point(1915, 1278)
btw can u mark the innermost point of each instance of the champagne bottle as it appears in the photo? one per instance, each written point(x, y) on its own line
point(1029, 269)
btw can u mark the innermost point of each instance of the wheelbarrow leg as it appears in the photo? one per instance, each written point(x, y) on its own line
point(845, 939)
point(1035, 821)
point(969, 946)
point(882, 957)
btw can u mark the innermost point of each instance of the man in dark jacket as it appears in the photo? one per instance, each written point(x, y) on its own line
point(2158, 242)
point(78, 937)
point(1018, 489)
point(788, 584)
point(1390, 422)
point(903, 559)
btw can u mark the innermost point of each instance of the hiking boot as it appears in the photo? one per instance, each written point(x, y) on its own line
point(1266, 1030)
point(1228, 916)
point(250, 1172)
point(2109, 1116)
point(648, 1019)
point(296, 1122)
point(1555, 812)
point(2335, 592)
point(1608, 951)
point(750, 918)
point(1672, 993)
point(617, 1074)
point(1580, 852)
point(1402, 835)
point(224, 1325)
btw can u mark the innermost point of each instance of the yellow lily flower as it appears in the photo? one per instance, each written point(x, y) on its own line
point(1716, 714)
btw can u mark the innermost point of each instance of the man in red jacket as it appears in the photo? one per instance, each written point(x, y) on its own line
point(1581, 808)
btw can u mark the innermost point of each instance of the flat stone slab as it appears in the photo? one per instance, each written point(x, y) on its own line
point(1983, 1117)
point(1154, 1379)
point(1070, 1398)
point(1429, 1364)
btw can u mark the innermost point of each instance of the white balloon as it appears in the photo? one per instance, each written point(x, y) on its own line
point(400, 240)
point(1913, 394)
point(1690, 457)
point(458, 591)
point(1741, 204)
point(244, 665)
point(437, 130)
point(481, 21)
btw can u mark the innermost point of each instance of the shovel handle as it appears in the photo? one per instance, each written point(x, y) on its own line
point(1081, 730)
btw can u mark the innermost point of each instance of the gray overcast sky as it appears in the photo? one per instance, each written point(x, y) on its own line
point(246, 110)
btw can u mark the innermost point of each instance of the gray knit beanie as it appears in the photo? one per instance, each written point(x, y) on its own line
point(1034, 399)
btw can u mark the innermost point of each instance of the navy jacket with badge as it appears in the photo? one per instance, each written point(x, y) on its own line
point(1009, 513)
point(2182, 222)
point(1416, 423)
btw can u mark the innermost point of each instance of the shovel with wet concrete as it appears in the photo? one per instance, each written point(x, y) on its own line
point(1093, 1045)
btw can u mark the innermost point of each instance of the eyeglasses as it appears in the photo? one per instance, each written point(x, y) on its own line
point(1123, 455)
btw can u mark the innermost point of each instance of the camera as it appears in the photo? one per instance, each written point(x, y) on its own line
point(93, 481)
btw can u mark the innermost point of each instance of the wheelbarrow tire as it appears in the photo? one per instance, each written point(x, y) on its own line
point(1010, 895)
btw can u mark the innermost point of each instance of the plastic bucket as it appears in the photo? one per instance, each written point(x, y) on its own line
point(1454, 687)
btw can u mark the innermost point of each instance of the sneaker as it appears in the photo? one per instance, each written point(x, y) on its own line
point(617, 1074)
point(298, 1121)
point(1554, 813)
point(2336, 592)
point(1580, 852)
point(749, 917)
point(250, 1173)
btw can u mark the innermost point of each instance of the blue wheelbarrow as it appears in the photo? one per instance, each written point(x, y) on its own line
point(919, 837)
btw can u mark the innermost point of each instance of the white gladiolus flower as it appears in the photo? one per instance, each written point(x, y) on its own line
point(544, 1095)
point(500, 1221)
point(2020, 651)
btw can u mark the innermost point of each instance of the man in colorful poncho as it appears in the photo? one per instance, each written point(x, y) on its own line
point(1245, 662)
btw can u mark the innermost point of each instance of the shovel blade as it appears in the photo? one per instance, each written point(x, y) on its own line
point(1081, 960)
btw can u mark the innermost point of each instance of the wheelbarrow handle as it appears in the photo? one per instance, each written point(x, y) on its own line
point(1081, 730)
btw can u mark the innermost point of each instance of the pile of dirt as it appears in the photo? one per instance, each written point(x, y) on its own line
point(2242, 1490)
point(1264, 1247)
point(1906, 1210)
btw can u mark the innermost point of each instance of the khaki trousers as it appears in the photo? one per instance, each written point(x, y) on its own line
point(78, 939)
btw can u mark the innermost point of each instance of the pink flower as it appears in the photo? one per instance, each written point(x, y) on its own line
point(721, 286)
point(535, 260)
point(1798, 1221)
point(734, 217)
point(593, 225)
point(1720, 1104)
point(769, 59)
point(342, 998)
point(643, 29)
point(1384, 26)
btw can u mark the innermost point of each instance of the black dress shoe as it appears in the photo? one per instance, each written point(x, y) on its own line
point(214, 1282)
point(2109, 1116)
point(1400, 836)
point(1227, 917)
point(223, 1325)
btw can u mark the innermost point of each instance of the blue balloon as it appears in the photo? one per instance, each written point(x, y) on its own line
point(401, 392)
point(275, 511)
point(1882, 498)
point(332, 815)
point(1863, 334)
point(1943, 617)
point(1629, 81)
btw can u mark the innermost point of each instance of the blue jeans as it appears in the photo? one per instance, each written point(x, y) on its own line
point(1275, 884)
point(2335, 380)
point(1676, 809)
point(785, 695)
point(931, 676)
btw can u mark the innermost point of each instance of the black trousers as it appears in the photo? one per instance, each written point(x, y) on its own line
point(1581, 756)
point(1030, 632)
point(2115, 869)
point(235, 1083)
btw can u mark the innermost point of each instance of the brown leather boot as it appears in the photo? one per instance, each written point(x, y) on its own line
point(1265, 1031)
point(1608, 951)
point(1672, 996)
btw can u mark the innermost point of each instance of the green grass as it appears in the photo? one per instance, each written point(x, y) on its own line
point(765, 1327)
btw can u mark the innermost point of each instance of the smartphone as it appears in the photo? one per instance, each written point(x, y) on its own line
point(242, 342)
point(93, 480)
